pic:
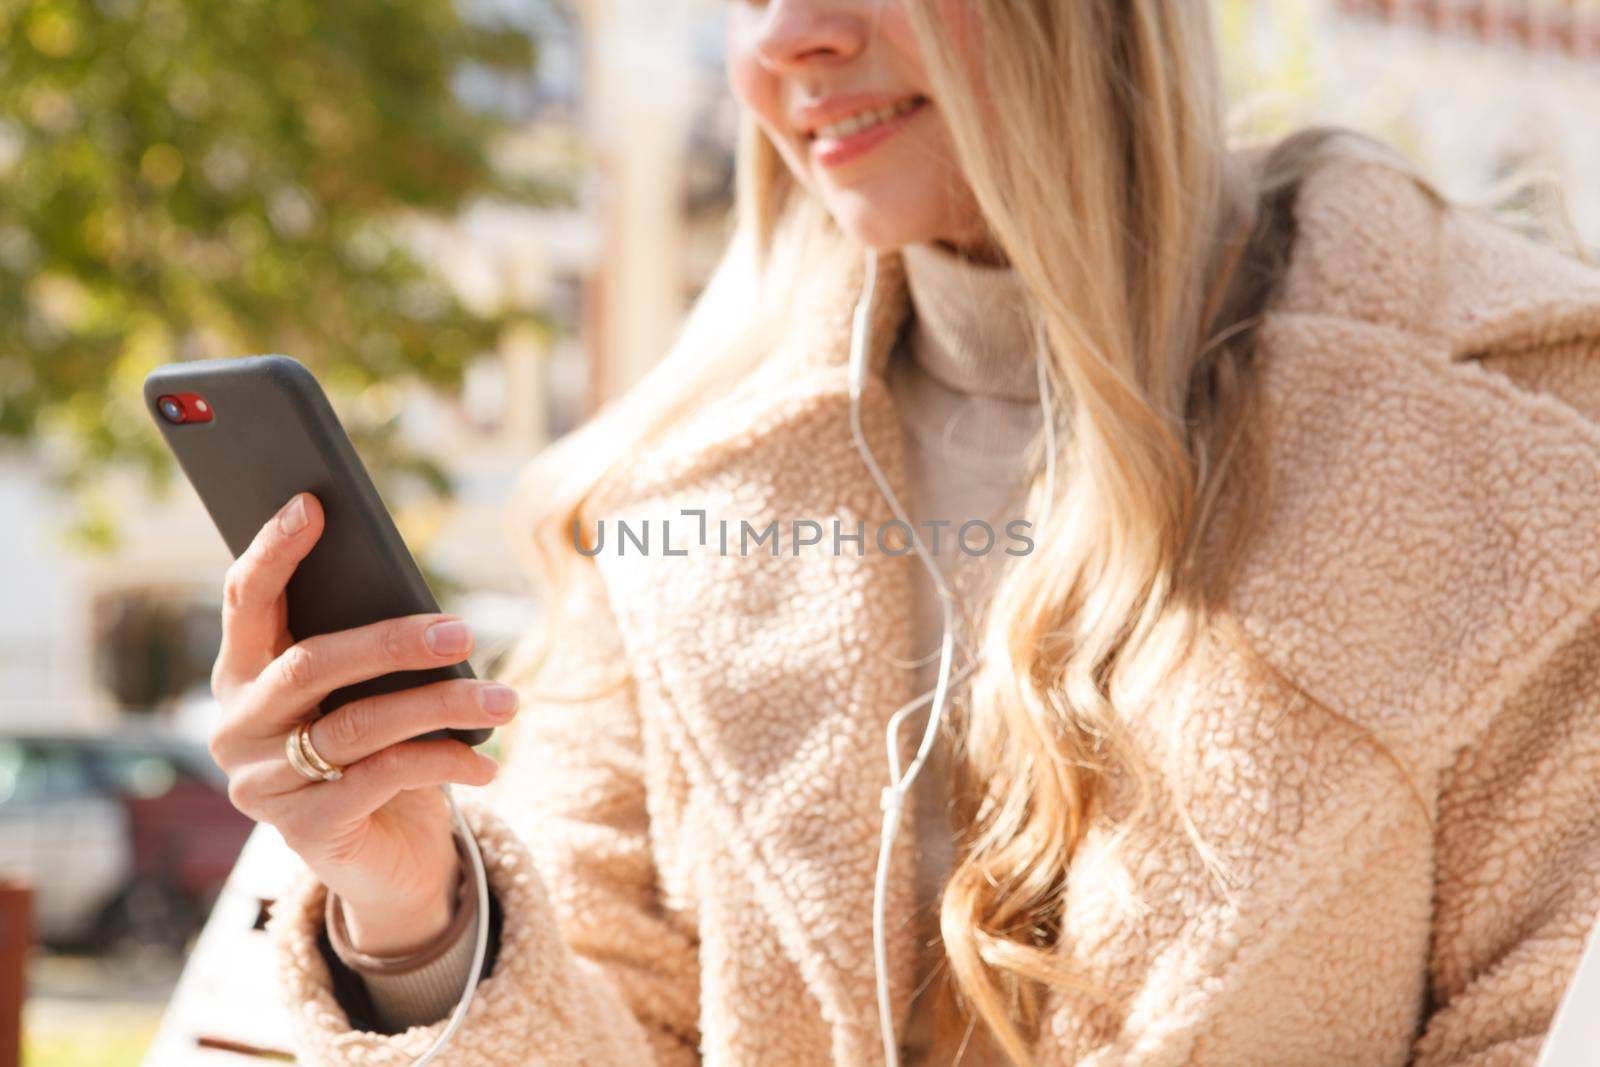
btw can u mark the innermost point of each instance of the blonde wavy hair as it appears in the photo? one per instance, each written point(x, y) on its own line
point(1098, 156)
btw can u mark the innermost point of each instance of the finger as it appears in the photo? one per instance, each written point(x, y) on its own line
point(259, 788)
point(253, 786)
point(252, 615)
point(362, 727)
point(369, 784)
point(311, 669)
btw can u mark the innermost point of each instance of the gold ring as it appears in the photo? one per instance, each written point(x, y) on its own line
point(297, 758)
point(328, 770)
point(305, 759)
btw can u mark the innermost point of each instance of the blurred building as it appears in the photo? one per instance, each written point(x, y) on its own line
point(1570, 27)
point(1482, 93)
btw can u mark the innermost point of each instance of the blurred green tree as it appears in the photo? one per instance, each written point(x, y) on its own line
point(196, 178)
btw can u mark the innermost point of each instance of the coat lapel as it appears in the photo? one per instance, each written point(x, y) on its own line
point(1437, 528)
point(1415, 566)
point(777, 674)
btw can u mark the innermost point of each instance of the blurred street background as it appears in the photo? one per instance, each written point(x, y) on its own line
point(475, 220)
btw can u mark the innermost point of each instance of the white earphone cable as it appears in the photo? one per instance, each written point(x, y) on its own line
point(892, 799)
point(480, 947)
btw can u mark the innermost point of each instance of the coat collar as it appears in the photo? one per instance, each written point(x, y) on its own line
point(1434, 534)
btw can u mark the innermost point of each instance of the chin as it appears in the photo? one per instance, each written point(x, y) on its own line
point(882, 222)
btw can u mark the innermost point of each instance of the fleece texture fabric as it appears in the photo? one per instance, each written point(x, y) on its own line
point(685, 866)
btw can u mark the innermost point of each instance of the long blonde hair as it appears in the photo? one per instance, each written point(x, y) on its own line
point(1098, 157)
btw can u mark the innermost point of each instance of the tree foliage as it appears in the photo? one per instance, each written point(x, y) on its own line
point(198, 178)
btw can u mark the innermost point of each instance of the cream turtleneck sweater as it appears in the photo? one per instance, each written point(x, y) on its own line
point(965, 382)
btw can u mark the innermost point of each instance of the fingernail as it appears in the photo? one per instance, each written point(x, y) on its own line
point(489, 762)
point(498, 700)
point(293, 519)
point(448, 637)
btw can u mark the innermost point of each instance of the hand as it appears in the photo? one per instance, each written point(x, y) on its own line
point(380, 836)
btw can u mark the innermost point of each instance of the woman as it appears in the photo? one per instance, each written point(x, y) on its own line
point(1274, 741)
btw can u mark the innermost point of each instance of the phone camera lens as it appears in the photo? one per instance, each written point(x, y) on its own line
point(171, 410)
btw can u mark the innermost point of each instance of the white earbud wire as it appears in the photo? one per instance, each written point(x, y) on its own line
point(481, 945)
point(892, 799)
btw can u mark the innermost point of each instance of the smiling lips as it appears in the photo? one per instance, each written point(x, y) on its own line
point(842, 140)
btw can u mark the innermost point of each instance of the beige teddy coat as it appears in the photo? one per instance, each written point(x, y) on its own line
point(686, 867)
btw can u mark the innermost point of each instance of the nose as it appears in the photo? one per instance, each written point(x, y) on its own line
point(797, 34)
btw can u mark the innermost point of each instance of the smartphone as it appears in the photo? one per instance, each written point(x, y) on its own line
point(252, 432)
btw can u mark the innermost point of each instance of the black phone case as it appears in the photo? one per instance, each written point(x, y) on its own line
point(273, 434)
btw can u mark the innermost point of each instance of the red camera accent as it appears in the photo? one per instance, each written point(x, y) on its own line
point(195, 407)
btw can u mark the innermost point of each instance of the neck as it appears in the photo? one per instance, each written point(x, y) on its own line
point(972, 329)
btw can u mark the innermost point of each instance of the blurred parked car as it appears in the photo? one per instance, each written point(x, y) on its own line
point(126, 836)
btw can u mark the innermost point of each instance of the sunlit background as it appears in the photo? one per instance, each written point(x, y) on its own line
point(475, 222)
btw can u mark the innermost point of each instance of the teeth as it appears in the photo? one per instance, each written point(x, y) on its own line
point(862, 119)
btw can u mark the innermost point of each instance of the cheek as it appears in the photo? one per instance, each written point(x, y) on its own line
point(895, 25)
point(899, 41)
point(760, 91)
point(753, 85)
point(757, 90)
